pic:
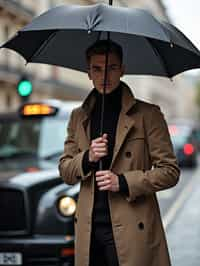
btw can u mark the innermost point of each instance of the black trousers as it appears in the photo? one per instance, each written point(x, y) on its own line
point(102, 248)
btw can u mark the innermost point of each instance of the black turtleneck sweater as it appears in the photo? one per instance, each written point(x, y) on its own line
point(112, 105)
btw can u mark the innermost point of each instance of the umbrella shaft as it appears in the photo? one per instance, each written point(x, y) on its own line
point(104, 87)
point(103, 95)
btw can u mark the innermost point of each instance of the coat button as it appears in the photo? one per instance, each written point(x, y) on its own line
point(141, 226)
point(78, 177)
point(128, 154)
point(75, 219)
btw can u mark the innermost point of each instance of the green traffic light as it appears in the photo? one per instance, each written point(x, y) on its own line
point(24, 88)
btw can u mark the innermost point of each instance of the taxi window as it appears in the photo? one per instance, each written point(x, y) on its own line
point(32, 137)
point(18, 137)
point(52, 135)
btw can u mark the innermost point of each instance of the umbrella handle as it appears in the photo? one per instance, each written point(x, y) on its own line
point(110, 2)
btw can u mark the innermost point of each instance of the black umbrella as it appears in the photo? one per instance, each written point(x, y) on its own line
point(61, 35)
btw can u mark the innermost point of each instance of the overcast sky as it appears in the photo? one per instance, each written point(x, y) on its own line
point(186, 16)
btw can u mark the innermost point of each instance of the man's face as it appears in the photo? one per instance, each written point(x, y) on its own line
point(96, 72)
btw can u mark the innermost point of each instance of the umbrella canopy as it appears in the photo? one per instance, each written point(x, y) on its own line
point(61, 35)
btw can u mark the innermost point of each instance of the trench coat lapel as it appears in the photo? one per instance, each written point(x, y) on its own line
point(85, 133)
point(87, 107)
point(126, 121)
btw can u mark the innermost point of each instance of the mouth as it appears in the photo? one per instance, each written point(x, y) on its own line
point(107, 84)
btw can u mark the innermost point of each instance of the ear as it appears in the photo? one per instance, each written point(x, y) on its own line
point(89, 75)
point(122, 70)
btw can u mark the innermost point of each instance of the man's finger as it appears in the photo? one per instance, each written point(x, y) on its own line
point(99, 150)
point(102, 172)
point(98, 145)
point(97, 139)
point(107, 187)
point(100, 178)
point(100, 139)
point(100, 154)
point(104, 183)
point(105, 136)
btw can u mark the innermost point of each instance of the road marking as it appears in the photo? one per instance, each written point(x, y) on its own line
point(168, 218)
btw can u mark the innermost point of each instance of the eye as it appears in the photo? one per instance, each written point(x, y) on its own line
point(96, 69)
point(114, 68)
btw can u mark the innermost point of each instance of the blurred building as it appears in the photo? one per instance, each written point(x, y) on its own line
point(55, 82)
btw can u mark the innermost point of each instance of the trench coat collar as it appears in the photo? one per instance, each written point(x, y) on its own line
point(128, 100)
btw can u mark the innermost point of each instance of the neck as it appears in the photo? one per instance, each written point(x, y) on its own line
point(113, 92)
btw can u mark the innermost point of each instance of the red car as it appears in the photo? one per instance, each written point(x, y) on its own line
point(185, 144)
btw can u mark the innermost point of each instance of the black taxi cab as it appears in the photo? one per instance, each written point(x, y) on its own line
point(36, 207)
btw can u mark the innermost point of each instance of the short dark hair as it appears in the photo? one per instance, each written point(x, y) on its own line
point(100, 47)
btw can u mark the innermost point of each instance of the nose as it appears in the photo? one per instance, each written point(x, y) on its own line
point(106, 72)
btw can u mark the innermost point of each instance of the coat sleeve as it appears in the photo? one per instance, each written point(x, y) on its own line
point(70, 163)
point(165, 172)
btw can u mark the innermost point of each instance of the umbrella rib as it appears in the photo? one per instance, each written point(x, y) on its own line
point(41, 47)
point(161, 59)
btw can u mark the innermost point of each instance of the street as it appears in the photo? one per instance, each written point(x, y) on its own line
point(181, 218)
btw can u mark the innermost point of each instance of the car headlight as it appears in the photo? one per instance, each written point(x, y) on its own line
point(67, 206)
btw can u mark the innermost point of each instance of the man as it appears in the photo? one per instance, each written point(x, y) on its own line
point(117, 221)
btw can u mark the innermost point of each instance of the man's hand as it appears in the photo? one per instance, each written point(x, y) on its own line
point(107, 180)
point(98, 148)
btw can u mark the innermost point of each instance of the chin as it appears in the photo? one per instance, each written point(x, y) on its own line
point(108, 89)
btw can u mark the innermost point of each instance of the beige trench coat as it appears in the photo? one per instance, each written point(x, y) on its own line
point(143, 153)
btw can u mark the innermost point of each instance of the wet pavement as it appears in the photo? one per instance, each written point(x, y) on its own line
point(183, 234)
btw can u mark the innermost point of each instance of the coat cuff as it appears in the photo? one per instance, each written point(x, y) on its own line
point(135, 182)
point(148, 182)
point(87, 165)
point(80, 173)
